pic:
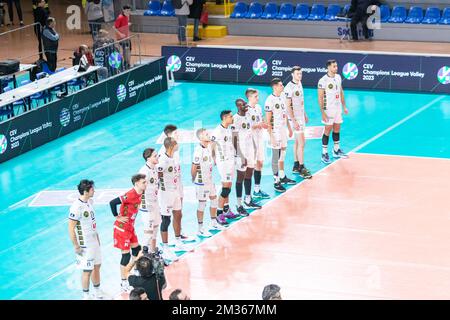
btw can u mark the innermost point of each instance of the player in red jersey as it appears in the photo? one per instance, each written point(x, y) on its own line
point(124, 234)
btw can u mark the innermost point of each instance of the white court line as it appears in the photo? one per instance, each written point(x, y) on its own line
point(402, 156)
point(395, 125)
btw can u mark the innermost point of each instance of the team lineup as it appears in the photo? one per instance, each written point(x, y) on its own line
point(236, 147)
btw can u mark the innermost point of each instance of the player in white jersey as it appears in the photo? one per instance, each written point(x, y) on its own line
point(245, 156)
point(258, 126)
point(277, 119)
point(85, 240)
point(223, 153)
point(331, 102)
point(168, 195)
point(296, 109)
point(202, 177)
point(171, 130)
point(150, 213)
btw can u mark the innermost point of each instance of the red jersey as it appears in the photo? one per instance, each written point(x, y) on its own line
point(121, 24)
point(129, 208)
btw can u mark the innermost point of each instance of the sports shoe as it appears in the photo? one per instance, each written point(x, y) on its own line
point(221, 220)
point(86, 296)
point(305, 173)
point(279, 187)
point(217, 227)
point(261, 195)
point(242, 212)
point(339, 154)
point(187, 238)
point(296, 170)
point(202, 232)
point(98, 294)
point(168, 254)
point(286, 180)
point(125, 287)
point(231, 215)
point(325, 158)
point(180, 246)
point(251, 205)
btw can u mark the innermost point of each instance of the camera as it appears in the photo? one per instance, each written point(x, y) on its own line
point(158, 262)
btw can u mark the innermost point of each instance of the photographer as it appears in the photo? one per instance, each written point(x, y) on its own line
point(151, 275)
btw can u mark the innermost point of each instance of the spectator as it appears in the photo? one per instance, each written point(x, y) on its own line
point(178, 294)
point(182, 15)
point(358, 13)
point(271, 292)
point(11, 12)
point(138, 293)
point(40, 16)
point(2, 14)
point(103, 47)
point(122, 28)
point(195, 12)
point(83, 57)
point(94, 12)
point(50, 39)
point(147, 279)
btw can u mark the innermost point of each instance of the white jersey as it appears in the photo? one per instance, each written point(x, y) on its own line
point(332, 87)
point(168, 173)
point(151, 192)
point(86, 228)
point(176, 157)
point(242, 127)
point(277, 105)
point(204, 162)
point(294, 91)
point(224, 144)
point(256, 117)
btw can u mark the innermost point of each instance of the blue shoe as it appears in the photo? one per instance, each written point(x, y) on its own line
point(325, 158)
point(261, 195)
point(339, 154)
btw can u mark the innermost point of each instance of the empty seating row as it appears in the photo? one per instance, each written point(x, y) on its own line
point(287, 11)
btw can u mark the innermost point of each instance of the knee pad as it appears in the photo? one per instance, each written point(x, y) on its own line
point(225, 192)
point(125, 259)
point(282, 155)
point(201, 206)
point(214, 203)
point(135, 251)
point(165, 223)
point(335, 136)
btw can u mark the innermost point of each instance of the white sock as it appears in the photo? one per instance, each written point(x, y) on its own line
point(248, 198)
point(336, 146)
point(85, 294)
point(257, 188)
point(213, 222)
point(239, 202)
point(200, 226)
point(324, 149)
point(282, 175)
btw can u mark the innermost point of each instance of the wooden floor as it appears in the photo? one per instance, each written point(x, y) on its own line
point(360, 229)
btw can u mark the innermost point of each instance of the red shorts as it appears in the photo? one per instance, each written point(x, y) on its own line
point(124, 239)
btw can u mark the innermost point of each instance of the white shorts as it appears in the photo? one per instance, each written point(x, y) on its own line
point(151, 216)
point(204, 192)
point(90, 257)
point(239, 164)
point(301, 122)
point(226, 170)
point(280, 137)
point(334, 116)
point(169, 201)
point(260, 146)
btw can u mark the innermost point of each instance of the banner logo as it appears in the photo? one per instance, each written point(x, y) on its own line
point(64, 117)
point(3, 144)
point(350, 71)
point(121, 93)
point(115, 60)
point(259, 67)
point(444, 75)
point(174, 63)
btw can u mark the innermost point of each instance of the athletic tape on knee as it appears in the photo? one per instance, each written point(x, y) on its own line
point(125, 259)
point(201, 206)
point(214, 203)
point(165, 223)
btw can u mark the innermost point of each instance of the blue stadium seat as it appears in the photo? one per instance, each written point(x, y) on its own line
point(332, 11)
point(317, 12)
point(445, 16)
point(346, 9)
point(167, 9)
point(270, 11)
point(398, 15)
point(385, 13)
point(415, 15)
point(240, 11)
point(154, 8)
point(301, 12)
point(432, 16)
point(286, 11)
point(254, 11)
